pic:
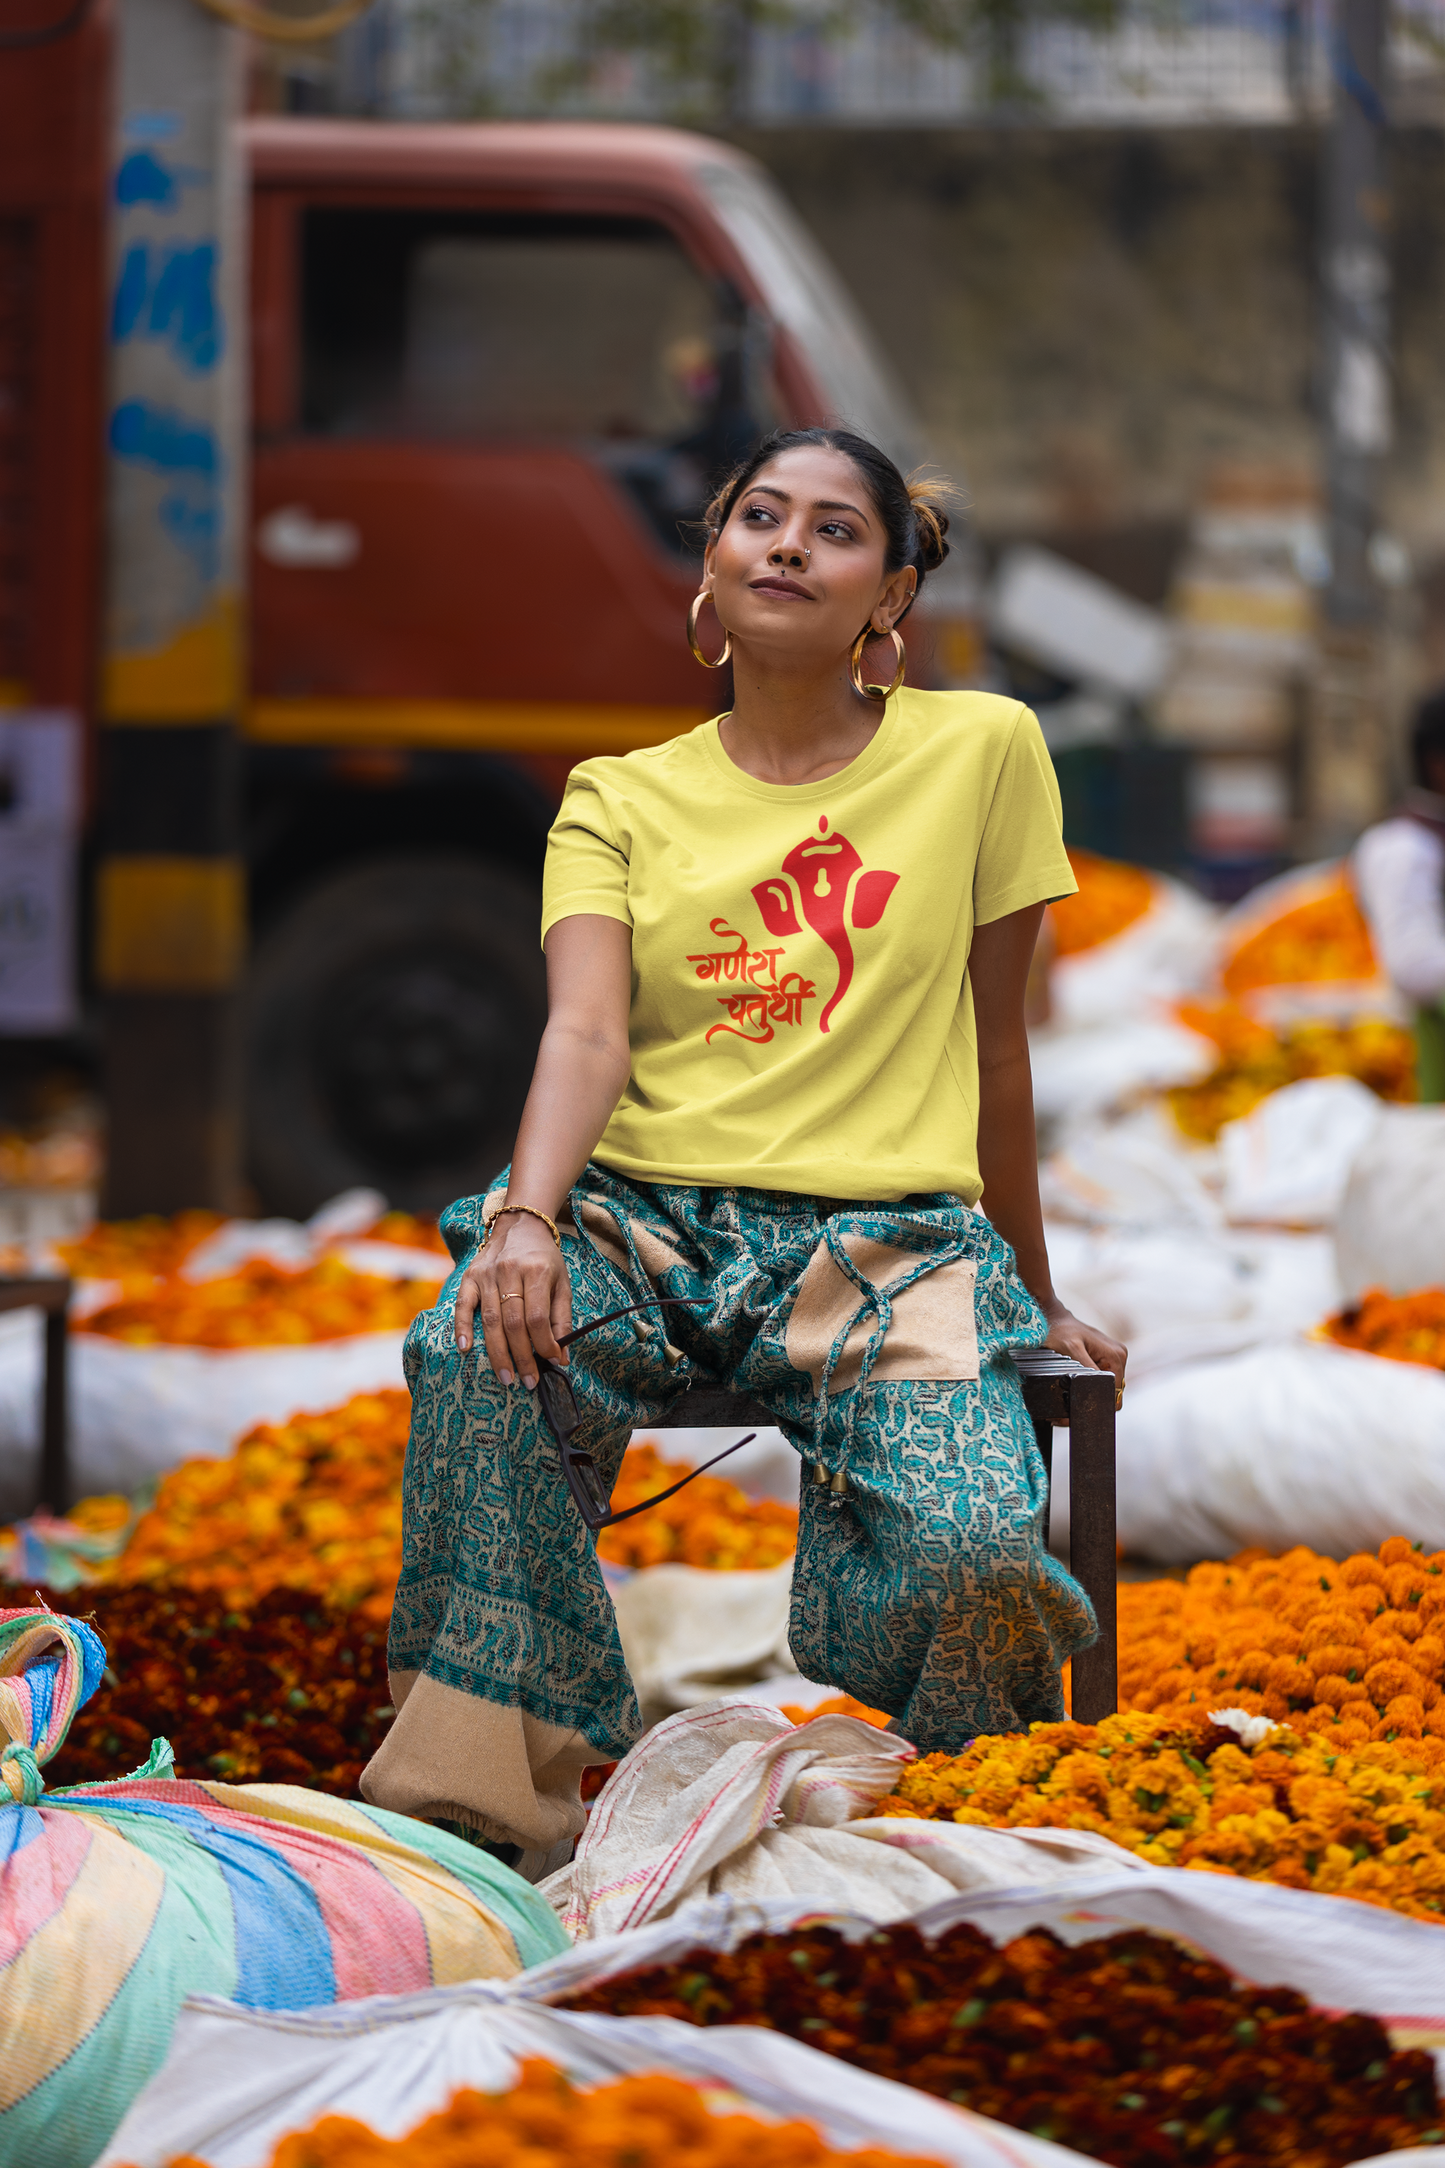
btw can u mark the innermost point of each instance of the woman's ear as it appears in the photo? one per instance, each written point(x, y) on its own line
point(709, 559)
point(897, 593)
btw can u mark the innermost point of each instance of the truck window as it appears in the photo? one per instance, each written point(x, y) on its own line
point(600, 333)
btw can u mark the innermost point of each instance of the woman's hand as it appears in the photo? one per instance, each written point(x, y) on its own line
point(520, 1289)
point(1088, 1344)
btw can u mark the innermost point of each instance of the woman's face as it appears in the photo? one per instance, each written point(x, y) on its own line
point(798, 568)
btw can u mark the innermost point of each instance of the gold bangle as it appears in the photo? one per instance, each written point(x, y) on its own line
point(531, 1210)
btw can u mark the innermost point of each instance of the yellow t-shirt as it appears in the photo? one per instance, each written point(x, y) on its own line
point(801, 1018)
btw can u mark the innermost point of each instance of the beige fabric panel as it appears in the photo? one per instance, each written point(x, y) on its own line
point(447, 1750)
point(933, 1334)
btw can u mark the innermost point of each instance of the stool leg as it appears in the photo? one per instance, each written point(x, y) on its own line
point(54, 1460)
point(1093, 1543)
point(1044, 1437)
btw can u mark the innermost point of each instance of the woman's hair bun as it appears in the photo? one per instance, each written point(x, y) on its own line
point(928, 494)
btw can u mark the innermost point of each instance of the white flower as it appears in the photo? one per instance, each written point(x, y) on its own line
point(1252, 1731)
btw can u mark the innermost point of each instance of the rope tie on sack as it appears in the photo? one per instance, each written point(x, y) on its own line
point(49, 1668)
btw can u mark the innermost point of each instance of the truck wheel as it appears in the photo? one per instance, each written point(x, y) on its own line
point(393, 1020)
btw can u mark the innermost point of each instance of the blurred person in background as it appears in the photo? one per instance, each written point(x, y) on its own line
point(1399, 877)
point(785, 1056)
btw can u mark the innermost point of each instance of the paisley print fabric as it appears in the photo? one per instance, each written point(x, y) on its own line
point(925, 1590)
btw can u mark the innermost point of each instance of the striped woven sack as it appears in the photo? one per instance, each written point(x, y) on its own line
point(118, 1900)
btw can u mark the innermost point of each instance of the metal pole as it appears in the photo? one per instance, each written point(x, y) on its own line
point(1346, 767)
point(170, 898)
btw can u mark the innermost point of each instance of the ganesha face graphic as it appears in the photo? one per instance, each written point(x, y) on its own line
point(824, 878)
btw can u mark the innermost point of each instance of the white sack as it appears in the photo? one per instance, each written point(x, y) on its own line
point(1289, 1159)
point(237, 2080)
point(733, 1801)
point(1078, 1073)
point(1391, 1228)
point(1165, 954)
point(1177, 1296)
point(136, 1412)
point(691, 1635)
point(1291, 1442)
point(1139, 1172)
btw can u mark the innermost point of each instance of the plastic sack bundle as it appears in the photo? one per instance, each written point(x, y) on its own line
point(119, 1900)
point(237, 2080)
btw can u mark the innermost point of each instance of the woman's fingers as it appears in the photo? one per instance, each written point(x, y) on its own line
point(514, 1296)
point(469, 1296)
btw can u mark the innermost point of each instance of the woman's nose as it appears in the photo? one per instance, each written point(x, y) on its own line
point(793, 554)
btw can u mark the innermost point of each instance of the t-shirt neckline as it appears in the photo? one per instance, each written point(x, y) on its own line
point(802, 793)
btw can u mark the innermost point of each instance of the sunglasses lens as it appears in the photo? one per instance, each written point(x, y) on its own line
point(588, 1484)
point(558, 1402)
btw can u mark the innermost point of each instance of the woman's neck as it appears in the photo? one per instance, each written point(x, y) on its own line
point(795, 726)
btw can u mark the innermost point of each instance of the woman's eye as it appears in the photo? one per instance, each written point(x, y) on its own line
point(757, 511)
point(837, 530)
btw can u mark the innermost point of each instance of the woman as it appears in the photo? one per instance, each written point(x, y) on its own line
point(785, 1055)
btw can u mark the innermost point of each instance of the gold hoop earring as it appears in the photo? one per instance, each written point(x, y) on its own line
point(727, 647)
point(855, 664)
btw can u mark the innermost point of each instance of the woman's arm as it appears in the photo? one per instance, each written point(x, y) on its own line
point(998, 969)
point(582, 1067)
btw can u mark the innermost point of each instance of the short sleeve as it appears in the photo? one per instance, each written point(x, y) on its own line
point(587, 860)
point(1021, 856)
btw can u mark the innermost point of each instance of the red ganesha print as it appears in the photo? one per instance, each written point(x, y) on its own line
point(824, 868)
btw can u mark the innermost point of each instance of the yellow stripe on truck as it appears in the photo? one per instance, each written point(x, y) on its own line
point(169, 925)
point(482, 726)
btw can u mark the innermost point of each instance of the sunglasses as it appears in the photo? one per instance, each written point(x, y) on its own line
point(560, 1413)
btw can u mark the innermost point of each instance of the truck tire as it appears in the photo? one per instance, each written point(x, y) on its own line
point(393, 1017)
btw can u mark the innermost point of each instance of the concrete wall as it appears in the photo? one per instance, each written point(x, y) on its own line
point(1092, 322)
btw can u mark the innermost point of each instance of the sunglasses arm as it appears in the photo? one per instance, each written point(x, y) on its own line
point(654, 1302)
point(672, 1490)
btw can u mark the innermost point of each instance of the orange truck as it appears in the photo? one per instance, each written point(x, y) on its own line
point(495, 371)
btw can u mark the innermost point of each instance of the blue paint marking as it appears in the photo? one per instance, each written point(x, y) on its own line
point(183, 306)
point(158, 437)
point(193, 522)
point(143, 179)
point(172, 298)
point(154, 127)
point(283, 1951)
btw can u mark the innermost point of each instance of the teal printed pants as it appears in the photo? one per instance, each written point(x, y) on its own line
point(876, 1336)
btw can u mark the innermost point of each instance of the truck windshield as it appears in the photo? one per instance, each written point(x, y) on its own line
point(600, 332)
point(805, 295)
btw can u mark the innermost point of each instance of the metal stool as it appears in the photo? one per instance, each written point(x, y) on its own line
point(53, 1297)
point(1057, 1390)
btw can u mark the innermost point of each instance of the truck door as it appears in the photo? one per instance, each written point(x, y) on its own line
point(476, 485)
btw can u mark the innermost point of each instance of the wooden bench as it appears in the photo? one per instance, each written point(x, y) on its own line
point(51, 1296)
point(1057, 1391)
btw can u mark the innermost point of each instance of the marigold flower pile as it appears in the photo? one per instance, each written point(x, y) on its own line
point(1129, 2048)
point(289, 1691)
point(1405, 1328)
point(1323, 937)
point(259, 1305)
point(310, 1504)
point(1110, 897)
point(1255, 1061)
point(545, 2121)
point(1364, 1821)
point(1354, 1651)
point(712, 1523)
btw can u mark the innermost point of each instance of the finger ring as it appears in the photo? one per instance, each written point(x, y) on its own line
point(513, 1298)
point(1118, 1399)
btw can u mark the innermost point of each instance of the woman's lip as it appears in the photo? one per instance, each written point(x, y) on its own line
point(780, 587)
